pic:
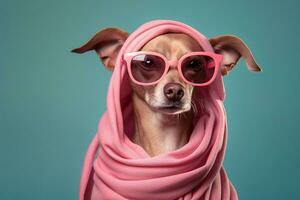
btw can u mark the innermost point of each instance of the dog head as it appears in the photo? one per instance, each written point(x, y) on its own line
point(171, 95)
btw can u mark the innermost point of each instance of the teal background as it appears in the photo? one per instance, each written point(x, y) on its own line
point(51, 100)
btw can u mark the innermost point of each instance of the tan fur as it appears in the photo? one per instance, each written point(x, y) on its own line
point(157, 132)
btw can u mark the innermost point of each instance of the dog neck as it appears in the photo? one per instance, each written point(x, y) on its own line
point(159, 133)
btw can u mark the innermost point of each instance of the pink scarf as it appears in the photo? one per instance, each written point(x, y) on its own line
point(123, 170)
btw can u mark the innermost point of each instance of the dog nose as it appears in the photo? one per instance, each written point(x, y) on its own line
point(173, 91)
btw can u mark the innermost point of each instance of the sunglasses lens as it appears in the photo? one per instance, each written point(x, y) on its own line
point(147, 68)
point(198, 68)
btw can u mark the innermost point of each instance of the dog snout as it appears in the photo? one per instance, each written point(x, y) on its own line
point(173, 91)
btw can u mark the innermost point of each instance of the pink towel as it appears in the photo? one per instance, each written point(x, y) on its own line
point(123, 170)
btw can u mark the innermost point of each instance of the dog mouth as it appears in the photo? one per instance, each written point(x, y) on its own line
point(170, 109)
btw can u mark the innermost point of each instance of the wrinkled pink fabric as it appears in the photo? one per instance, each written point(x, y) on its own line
point(122, 169)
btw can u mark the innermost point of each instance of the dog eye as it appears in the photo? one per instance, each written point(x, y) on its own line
point(147, 64)
point(195, 65)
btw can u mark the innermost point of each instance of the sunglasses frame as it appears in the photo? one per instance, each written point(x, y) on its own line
point(217, 58)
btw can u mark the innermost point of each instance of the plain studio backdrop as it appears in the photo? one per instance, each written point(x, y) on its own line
point(51, 100)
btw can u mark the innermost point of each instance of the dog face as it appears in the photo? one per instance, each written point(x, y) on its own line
point(171, 95)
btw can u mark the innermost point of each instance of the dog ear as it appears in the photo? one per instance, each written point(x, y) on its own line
point(232, 48)
point(107, 44)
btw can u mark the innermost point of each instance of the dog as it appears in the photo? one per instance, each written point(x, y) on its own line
point(164, 111)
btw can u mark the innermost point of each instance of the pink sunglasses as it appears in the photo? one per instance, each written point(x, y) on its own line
point(195, 68)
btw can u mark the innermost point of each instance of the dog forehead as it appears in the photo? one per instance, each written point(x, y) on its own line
point(170, 42)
